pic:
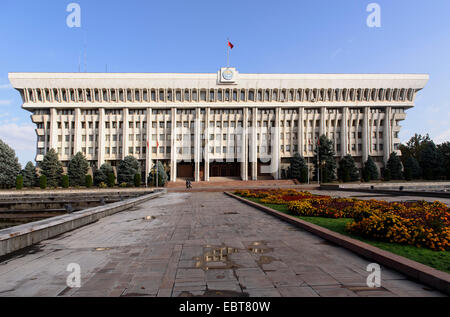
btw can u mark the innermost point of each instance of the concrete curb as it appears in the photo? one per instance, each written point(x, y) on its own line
point(423, 273)
point(19, 237)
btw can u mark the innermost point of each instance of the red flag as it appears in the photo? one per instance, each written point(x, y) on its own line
point(148, 145)
point(230, 45)
point(157, 144)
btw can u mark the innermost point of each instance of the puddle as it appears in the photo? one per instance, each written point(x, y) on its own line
point(215, 257)
point(259, 247)
point(265, 260)
point(101, 249)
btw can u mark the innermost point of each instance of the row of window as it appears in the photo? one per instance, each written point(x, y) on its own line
point(216, 95)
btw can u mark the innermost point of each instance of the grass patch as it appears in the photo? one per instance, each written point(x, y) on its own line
point(439, 260)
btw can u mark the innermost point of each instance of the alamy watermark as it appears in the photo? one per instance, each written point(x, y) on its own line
point(73, 20)
point(374, 18)
point(374, 278)
point(74, 278)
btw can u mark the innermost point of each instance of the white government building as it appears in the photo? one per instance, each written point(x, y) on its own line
point(224, 124)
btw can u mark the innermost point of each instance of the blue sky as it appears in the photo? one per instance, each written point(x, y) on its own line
point(283, 36)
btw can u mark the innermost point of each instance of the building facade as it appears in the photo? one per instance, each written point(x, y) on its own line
point(224, 124)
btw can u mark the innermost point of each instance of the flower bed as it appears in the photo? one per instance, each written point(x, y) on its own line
point(421, 224)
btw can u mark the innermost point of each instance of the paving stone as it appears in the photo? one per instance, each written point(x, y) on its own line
point(296, 291)
point(334, 291)
point(224, 286)
point(157, 258)
point(263, 292)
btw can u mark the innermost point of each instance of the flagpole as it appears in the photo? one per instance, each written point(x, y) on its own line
point(228, 53)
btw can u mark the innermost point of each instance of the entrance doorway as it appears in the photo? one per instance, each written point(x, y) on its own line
point(222, 169)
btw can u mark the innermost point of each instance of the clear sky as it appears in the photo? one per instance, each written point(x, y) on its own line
point(283, 36)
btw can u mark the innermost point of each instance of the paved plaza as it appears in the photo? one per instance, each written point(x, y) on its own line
point(195, 244)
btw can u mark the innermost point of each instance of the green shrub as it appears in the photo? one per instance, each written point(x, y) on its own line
point(19, 182)
point(101, 174)
point(111, 180)
point(65, 181)
point(127, 169)
point(52, 168)
point(9, 166)
point(77, 169)
point(43, 182)
point(88, 181)
point(387, 175)
point(30, 177)
point(123, 185)
point(102, 185)
point(137, 180)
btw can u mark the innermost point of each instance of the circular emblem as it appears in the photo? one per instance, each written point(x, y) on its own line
point(227, 74)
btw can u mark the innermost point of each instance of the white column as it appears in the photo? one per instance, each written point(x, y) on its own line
point(207, 154)
point(197, 145)
point(254, 148)
point(54, 129)
point(244, 151)
point(365, 136)
point(173, 153)
point(125, 132)
point(77, 132)
point(276, 158)
point(300, 132)
point(323, 113)
point(344, 132)
point(387, 135)
point(148, 153)
point(101, 137)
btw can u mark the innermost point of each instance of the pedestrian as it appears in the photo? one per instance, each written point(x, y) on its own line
point(187, 183)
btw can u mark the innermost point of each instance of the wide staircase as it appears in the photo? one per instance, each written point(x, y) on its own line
point(222, 184)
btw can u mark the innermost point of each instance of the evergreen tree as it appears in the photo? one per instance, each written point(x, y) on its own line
point(65, 181)
point(370, 170)
point(111, 179)
point(52, 168)
point(88, 181)
point(162, 176)
point(19, 182)
point(101, 174)
point(444, 155)
point(412, 168)
point(394, 166)
point(137, 180)
point(77, 170)
point(429, 162)
point(298, 168)
point(414, 147)
point(30, 176)
point(43, 182)
point(327, 162)
point(347, 170)
point(127, 168)
point(9, 166)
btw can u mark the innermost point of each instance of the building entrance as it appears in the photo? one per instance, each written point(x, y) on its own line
point(223, 169)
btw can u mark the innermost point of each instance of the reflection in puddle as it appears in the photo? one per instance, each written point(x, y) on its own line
point(265, 260)
point(216, 257)
point(259, 247)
